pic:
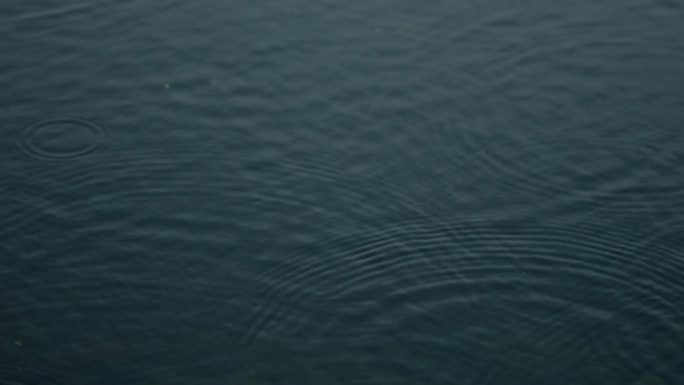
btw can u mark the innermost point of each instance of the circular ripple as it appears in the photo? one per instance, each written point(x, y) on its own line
point(62, 138)
point(492, 302)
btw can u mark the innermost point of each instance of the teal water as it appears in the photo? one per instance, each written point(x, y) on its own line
point(303, 192)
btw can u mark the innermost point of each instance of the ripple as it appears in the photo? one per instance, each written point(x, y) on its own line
point(491, 294)
point(62, 138)
point(572, 132)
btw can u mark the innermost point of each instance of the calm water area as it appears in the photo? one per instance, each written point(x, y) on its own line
point(481, 192)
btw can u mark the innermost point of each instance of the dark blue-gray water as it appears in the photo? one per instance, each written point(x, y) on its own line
point(303, 192)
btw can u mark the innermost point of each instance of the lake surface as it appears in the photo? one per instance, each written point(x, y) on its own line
point(327, 192)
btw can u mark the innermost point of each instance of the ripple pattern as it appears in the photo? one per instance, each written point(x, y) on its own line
point(62, 138)
point(366, 193)
point(490, 298)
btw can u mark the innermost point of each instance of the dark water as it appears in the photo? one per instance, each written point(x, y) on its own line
point(327, 192)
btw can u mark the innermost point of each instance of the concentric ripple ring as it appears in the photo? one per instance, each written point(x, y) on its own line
point(62, 138)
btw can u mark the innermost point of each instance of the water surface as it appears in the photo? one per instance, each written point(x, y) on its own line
point(316, 192)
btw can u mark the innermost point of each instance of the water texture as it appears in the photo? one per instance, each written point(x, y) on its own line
point(383, 192)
